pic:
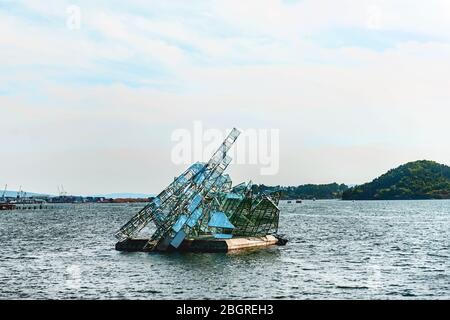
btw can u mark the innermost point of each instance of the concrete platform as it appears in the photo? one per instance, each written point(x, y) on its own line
point(206, 244)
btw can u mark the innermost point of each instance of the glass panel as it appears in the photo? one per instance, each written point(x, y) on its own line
point(222, 236)
point(219, 220)
point(181, 220)
point(178, 239)
point(194, 203)
point(199, 179)
point(157, 202)
point(193, 219)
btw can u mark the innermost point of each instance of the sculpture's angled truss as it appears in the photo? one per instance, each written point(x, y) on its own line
point(201, 202)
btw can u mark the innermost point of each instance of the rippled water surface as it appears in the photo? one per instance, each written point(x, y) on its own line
point(337, 250)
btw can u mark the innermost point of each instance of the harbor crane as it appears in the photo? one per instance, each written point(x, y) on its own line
point(61, 191)
point(4, 193)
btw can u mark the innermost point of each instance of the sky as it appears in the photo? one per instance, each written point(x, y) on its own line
point(92, 93)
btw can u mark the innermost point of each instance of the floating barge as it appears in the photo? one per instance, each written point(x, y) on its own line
point(200, 211)
point(207, 244)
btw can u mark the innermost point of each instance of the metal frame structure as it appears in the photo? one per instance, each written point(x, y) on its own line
point(200, 195)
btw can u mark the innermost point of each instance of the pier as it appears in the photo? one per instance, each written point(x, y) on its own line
point(7, 206)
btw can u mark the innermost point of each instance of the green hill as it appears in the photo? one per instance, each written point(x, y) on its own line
point(414, 180)
point(306, 191)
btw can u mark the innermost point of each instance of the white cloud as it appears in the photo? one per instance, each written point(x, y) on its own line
point(248, 64)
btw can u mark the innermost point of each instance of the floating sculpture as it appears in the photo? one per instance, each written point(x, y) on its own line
point(202, 205)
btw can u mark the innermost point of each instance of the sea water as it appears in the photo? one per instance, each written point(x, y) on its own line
point(337, 250)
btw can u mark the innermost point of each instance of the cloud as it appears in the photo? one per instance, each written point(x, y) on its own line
point(344, 82)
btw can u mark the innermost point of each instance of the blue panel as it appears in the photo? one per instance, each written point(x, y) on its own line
point(196, 167)
point(181, 220)
point(219, 220)
point(157, 202)
point(193, 219)
point(220, 181)
point(159, 216)
point(195, 202)
point(222, 236)
point(178, 239)
point(199, 179)
point(233, 195)
point(181, 179)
